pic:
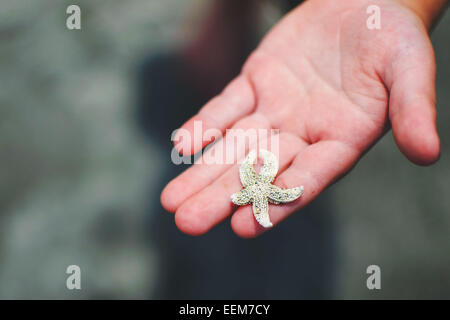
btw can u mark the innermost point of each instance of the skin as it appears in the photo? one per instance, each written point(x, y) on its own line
point(333, 88)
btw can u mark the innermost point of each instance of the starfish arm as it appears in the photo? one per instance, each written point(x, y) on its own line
point(270, 167)
point(278, 195)
point(247, 173)
point(241, 198)
point(261, 210)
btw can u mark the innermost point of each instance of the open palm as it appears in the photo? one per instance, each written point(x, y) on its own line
point(332, 87)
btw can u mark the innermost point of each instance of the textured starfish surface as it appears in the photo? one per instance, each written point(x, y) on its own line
point(258, 187)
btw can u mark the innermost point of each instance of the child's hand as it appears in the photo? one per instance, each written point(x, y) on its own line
point(333, 88)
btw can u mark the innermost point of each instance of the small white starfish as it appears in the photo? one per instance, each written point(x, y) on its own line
point(258, 188)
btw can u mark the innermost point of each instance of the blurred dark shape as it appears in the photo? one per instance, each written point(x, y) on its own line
point(294, 260)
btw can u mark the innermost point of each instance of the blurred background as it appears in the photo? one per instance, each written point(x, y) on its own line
point(85, 123)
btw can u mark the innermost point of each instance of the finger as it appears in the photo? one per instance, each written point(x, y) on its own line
point(216, 160)
point(213, 204)
point(236, 101)
point(315, 167)
point(410, 79)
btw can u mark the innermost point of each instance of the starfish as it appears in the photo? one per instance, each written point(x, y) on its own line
point(258, 188)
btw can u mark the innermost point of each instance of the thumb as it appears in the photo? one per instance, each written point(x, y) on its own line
point(410, 78)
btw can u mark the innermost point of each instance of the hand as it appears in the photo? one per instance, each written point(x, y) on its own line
point(333, 88)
